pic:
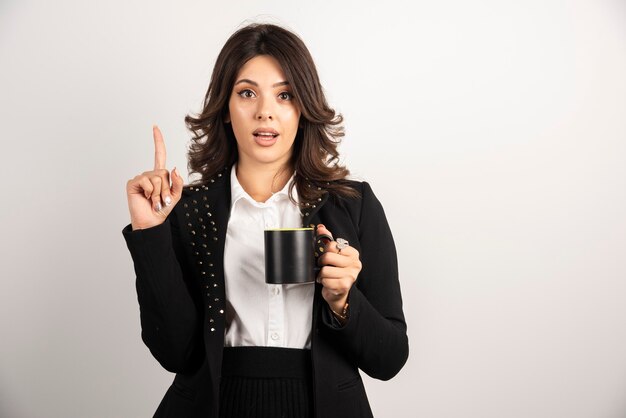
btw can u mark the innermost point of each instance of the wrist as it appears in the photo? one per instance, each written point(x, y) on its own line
point(136, 226)
point(338, 305)
point(341, 314)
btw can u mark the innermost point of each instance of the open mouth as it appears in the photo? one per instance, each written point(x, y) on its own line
point(265, 135)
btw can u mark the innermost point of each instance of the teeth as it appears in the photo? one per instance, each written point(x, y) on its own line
point(265, 134)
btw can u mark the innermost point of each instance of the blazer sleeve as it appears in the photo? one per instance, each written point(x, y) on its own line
point(375, 333)
point(168, 313)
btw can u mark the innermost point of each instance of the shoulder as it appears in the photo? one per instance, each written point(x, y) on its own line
point(363, 189)
point(364, 204)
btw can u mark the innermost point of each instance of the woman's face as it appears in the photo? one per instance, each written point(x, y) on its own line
point(263, 113)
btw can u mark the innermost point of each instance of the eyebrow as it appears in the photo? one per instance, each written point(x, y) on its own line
point(254, 83)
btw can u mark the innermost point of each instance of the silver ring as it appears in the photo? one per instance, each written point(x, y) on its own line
point(341, 244)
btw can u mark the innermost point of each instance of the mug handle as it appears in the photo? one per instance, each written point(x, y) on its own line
point(321, 241)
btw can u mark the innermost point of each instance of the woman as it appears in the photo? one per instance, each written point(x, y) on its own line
point(265, 147)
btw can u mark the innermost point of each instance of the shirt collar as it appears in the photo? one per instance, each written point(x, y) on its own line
point(237, 192)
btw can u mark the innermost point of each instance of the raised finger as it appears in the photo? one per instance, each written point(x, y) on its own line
point(159, 149)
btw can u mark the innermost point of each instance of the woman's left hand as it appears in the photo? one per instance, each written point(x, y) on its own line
point(340, 268)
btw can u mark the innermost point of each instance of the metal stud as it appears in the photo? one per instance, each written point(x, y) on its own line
point(212, 329)
point(194, 201)
point(185, 205)
point(215, 238)
point(221, 311)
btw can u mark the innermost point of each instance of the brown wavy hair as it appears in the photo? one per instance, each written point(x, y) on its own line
point(315, 157)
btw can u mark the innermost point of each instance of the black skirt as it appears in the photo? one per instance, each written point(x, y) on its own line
point(266, 382)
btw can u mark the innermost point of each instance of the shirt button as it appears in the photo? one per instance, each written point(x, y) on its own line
point(275, 336)
point(276, 290)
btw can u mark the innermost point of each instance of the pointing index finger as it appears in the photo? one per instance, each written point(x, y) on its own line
point(159, 148)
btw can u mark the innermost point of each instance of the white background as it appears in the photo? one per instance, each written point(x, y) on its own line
point(493, 132)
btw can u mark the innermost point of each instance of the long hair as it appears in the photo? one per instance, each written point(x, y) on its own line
point(315, 157)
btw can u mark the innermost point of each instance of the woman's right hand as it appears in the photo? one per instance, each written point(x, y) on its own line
point(150, 196)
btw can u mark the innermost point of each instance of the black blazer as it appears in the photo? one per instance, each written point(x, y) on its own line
point(180, 287)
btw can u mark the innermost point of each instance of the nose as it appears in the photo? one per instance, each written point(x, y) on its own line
point(264, 110)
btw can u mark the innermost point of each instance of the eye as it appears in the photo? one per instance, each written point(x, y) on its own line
point(246, 93)
point(285, 95)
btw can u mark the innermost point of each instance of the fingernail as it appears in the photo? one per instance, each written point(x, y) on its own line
point(320, 226)
point(168, 200)
point(158, 207)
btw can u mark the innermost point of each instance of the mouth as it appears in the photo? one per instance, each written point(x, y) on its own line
point(265, 137)
point(265, 133)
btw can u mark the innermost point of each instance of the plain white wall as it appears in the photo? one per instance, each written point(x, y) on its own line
point(493, 132)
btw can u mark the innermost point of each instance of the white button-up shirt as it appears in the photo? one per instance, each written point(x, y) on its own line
point(260, 314)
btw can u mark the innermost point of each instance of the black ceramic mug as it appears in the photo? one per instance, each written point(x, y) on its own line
point(291, 255)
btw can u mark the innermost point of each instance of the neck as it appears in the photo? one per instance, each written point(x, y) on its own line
point(260, 181)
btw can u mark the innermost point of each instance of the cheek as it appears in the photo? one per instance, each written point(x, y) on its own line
point(293, 116)
point(238, 116)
